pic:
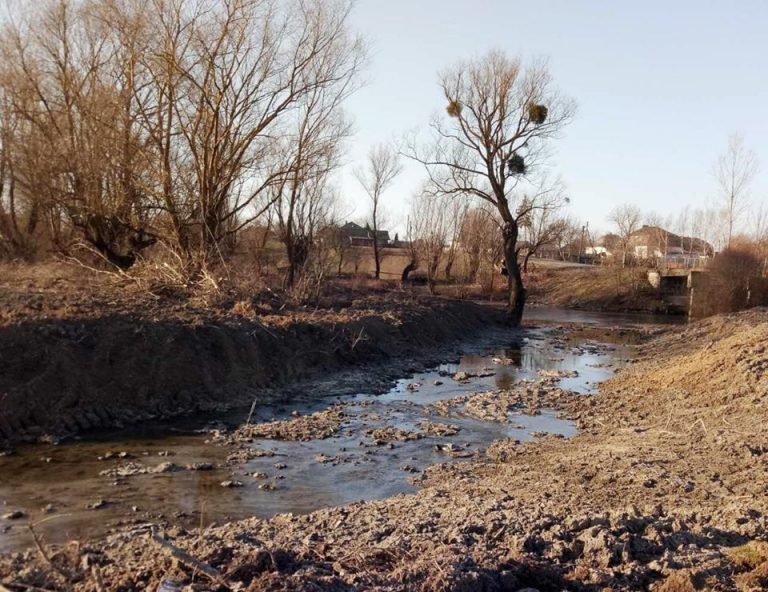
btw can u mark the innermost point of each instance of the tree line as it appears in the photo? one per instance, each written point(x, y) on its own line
point(169, 127)
point(129, 125)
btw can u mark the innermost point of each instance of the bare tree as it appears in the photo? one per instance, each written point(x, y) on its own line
point(429, 229)
point(682, 225)
point(499, 119)
point(660, 237)
point(627, 220)
point(456, 211)
point(67, 77)
point(150, 121)
point(20, 214)
point(537, 217)
point(571, 230)
point(381, 169)
point(735, 170)
point(706, 224)
point(304, 159)
point(473, 238)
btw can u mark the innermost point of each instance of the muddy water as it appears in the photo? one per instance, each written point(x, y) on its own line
point(67, 493)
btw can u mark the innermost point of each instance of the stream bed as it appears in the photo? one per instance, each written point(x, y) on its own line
point(82, 489)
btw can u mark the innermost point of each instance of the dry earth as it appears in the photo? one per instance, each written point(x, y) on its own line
point(663, 489)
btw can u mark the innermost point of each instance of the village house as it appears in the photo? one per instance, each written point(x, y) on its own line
point(360, 236)
point(669, 249)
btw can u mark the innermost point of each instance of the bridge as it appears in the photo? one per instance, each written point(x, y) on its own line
point(692, 291)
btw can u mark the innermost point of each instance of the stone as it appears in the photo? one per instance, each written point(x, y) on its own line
point(201, 466)
point(231, 484)
point(166, 467)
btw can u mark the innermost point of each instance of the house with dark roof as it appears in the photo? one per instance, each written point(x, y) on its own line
point(362, 236)
point(668, 248)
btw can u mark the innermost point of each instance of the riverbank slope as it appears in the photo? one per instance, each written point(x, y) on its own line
point(588, 287)
point(84, 353)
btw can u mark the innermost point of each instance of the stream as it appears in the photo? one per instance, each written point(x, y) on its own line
point(71, 491)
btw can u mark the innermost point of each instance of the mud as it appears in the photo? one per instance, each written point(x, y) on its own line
point(330, 451)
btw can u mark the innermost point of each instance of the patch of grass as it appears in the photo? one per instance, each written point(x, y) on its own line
point(751, 555)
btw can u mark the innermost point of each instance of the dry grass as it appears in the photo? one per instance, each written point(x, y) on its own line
point(597, 288)
point(751, 555)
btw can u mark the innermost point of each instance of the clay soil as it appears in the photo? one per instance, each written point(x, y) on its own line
point(664, 489)
point(81, 351)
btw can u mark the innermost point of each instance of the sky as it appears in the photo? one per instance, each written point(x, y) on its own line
point(659, 86)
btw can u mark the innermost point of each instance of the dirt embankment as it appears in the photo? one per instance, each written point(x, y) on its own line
point(606, 289)
point(78, 356)
point(664, 489)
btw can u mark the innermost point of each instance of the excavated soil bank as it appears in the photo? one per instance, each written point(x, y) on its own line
point(74, 362)
point(664, 489)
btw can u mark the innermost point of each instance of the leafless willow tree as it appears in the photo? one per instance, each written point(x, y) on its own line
point(19, 216)
point(429, 230)
point(498, 121)
point(479, 240)
point(627, 219)
point(456, 210)
point(735, 170)
point(300, 197)
point(157, 121)
point(473, 240)
point(381, 169)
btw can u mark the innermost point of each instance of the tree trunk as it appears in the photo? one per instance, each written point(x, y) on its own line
point(377, 273)
point(517, 292)
point(525, 262)
point(474, 267)
point(407, 271)
point(449, 266)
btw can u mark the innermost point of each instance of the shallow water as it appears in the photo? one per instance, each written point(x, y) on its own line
point(67, 476)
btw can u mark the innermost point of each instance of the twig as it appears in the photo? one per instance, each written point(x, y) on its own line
point(701, 421)
point(190, 561)
point(360, 337)
point(44, 555)
point(250, 413)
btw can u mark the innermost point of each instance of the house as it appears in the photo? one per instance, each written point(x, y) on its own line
point(598, 251)
point(669, 249)
point(360, 236)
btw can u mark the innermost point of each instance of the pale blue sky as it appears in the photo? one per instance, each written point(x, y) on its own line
point(659, 86)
